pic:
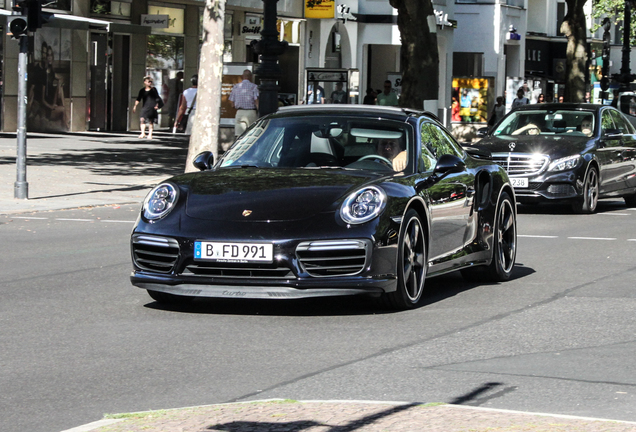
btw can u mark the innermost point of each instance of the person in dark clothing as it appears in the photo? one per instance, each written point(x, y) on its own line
point(369, 99)
point(151, 102)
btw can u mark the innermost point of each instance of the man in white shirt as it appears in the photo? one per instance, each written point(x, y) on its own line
point(520, 99)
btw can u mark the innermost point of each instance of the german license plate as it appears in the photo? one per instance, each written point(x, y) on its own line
point(234, 252)
point(519, 182)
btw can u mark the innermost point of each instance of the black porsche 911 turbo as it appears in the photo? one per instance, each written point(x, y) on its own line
point(577, 153)
point(323, 201)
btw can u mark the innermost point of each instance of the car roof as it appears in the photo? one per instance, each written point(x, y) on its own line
point(561, 106)
point(355, 109)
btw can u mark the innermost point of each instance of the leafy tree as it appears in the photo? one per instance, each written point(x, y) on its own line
point(575, 30)
point(615, 10)
point(419, 55)
point(205, 131)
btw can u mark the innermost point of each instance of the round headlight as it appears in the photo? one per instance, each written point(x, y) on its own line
point(160, 201)
point(363, 205)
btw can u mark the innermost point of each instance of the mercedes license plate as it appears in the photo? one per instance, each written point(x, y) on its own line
point(234, 252)
point(519, 182)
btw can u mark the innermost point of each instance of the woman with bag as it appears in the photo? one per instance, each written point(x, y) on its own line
point(187, 106)
point(151, 102)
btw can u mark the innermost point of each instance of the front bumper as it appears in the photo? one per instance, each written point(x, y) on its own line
point(262, 289)
point(566, 185)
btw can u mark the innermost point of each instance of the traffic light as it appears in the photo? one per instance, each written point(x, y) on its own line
point(34, 14)
point(17, 25)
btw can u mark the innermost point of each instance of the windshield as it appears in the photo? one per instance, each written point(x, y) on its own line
point(321, 141)
point(541, 122)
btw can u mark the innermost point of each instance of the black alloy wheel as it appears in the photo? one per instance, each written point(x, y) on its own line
point(587, 204)
point(504, 250)
point(505, 241)
point(411, 264)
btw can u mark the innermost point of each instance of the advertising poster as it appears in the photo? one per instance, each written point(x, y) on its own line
point(320, 9)
point(470, 100)
point(49, 73)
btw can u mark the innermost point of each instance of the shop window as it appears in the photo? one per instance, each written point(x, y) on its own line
point(108, 7)
point(470, 100)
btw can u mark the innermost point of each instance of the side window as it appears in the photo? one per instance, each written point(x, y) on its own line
point(606, 122)
point(438, 142)
point(620, 122)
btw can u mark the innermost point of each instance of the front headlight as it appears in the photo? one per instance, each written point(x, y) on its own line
point(363, 205)
point(160, 201)
point(564, 164)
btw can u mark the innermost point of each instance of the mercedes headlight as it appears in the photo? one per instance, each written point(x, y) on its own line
point(363, 205)
point(160, 201)
point(564, 164)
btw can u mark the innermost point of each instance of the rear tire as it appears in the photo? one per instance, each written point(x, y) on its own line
point(411, 265)
point(504, 250)
point(169, 299)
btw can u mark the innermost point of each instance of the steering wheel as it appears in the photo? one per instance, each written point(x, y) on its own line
point(378, 158)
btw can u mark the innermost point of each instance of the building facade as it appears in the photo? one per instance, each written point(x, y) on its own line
point(87, 63)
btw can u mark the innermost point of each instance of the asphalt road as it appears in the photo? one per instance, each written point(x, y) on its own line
point(77, 340)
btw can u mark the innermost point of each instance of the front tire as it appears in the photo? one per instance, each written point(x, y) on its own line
point(587, 204)
point(411, 265)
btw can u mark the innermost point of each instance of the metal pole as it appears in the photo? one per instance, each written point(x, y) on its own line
point(21, 187)
point(626, 51)
point(268, 70)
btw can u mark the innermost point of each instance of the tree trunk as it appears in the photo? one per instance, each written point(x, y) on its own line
point(205, 130)
point(419, 55)
point(574, 29)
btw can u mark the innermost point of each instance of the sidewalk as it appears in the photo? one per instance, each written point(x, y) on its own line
point(87, 169)
point(347, 416)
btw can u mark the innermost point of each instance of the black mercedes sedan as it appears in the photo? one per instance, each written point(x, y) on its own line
point(573, 152)
point(323, 201)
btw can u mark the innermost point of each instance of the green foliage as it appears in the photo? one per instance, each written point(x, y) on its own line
point(615, 10)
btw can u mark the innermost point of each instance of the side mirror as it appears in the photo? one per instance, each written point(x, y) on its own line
point(204, 161)
point(482, 132)
point(448, 164)
point(612, 134)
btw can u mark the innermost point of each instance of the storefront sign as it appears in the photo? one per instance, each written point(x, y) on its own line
point(155, 21)
point(320, 9)
point(252, 26)
point(175, 18)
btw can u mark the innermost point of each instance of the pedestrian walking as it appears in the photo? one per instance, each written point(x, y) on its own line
point(187, 105)
point(244, 98)
point(338, 96)
point(498, 112)
point(150, 103)
point(388, 96)
point(521, 99)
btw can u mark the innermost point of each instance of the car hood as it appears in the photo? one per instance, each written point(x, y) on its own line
point(253, 194)
point(556, 146)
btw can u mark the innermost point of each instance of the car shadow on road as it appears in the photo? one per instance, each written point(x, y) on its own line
point(437, 289)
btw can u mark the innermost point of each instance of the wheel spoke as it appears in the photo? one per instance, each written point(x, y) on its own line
point(507, 222)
